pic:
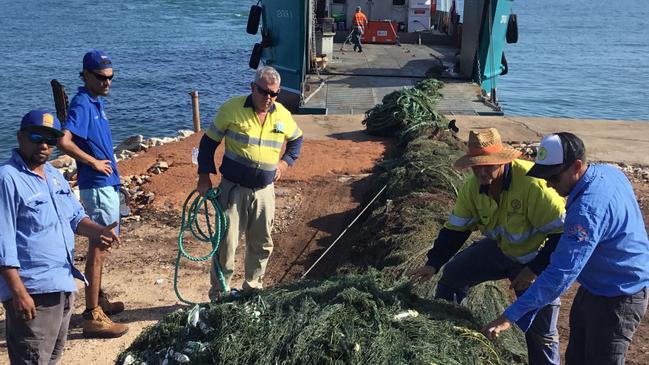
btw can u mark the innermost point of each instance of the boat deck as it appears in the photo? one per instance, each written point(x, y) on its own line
point(354, 82)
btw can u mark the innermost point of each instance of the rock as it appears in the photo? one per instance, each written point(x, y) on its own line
point(70, 173)
point(124, 155)
point(125, 180)
point(63, 161)
point(131, 218)
point(133, 144)
point(161, 165)
point(159, 281)
point(158, 141)
point(184, 133)
point(149, 197)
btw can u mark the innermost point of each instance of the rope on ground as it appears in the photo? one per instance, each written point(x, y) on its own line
point(344, 231)
point(193, 206)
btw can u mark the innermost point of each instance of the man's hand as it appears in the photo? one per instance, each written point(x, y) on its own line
point(495, 327)
point(204, 183)
point(103, 166)
point(109, 238)
point(422, 274)
point(523, 280)
point(24, 306)
point(282, 166)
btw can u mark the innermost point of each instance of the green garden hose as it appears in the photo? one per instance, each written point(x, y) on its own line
point(194, 205)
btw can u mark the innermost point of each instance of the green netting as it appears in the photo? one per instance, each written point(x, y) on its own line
point(344, 320)
point(407, 113)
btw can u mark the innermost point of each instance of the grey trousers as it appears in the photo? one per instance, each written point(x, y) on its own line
point(601, 328)
point(249, 211)
point(42, 339)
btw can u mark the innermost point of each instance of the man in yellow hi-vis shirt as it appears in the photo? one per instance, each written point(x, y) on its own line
point(522, 219)
point(254, 129)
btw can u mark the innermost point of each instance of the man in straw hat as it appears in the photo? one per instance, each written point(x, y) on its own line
point(521, 219)
point(604, 247)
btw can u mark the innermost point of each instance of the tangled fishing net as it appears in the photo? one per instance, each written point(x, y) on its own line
point(407, 113)
point(344, 320)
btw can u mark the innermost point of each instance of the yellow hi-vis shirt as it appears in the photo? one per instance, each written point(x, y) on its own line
point(252, 150)
point(527, 212)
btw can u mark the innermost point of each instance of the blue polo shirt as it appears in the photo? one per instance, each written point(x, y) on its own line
point(604, 245)
point(91, 132)
point(38, 219)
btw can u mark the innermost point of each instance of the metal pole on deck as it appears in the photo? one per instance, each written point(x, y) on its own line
point(196, 111)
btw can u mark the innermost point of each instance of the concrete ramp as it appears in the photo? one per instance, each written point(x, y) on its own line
point(355, 82)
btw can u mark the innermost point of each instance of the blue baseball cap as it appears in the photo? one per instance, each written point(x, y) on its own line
point(41, 120)
point(96, 60)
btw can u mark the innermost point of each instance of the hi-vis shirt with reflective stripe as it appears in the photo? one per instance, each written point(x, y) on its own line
point(527, 212)
point(249, 143)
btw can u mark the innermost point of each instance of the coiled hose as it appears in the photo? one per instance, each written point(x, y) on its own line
point(194, 205)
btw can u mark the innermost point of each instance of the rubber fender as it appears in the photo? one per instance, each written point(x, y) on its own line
point(255, 56)
point(512, 29)
point(253, 19)
point(503, 61)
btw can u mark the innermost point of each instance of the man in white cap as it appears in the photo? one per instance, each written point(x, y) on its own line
point(604, 247)
point(521, 218)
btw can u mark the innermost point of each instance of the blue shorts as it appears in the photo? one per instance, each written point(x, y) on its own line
point(101, 204)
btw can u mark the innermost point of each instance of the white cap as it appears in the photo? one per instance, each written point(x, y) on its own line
point(550, 151)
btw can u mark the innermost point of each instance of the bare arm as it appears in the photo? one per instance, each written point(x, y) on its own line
point(105, 234)
point(69, 147)
point(22, 301)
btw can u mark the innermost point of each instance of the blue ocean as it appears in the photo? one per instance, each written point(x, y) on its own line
point(578, 59)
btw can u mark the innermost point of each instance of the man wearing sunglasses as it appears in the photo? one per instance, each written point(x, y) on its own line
point(520, 218)
point(254, 128)
point(39, 216)
point(87, 138)
point(604, 247)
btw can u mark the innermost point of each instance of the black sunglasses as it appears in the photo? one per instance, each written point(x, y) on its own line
point(102, 78)
point(557, 177)
point(266, 92)
point(40, 139)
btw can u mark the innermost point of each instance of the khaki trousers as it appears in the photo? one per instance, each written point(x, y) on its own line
point(249, 212)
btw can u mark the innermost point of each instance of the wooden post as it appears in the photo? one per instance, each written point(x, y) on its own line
point(196, 111)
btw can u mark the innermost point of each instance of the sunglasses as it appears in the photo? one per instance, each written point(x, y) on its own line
point(266, 92)
point(40, 139)
point(557, 177)
point(103, 78)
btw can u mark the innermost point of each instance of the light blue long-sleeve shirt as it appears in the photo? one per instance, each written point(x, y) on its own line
point(38, 218)
point(604, 246)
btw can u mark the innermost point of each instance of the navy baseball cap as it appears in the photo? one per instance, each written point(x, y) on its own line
point(96, 60)
point(41, 120)
point(556, 153)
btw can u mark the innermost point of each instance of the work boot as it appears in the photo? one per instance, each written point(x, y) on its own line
point(96, 324)
point(108, 307)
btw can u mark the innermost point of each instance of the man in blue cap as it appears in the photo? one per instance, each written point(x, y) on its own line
point(87, 138)
point(39, 216)
point(604, 247)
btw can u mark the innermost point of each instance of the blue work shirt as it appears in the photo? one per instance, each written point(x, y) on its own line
point(604, 245)
point(38, 219)
point(91, 133)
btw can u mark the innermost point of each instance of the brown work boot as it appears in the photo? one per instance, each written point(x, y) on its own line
point(108, 307)
point(96, 324)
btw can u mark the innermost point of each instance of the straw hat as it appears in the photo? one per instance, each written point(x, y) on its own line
point(486, 148)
